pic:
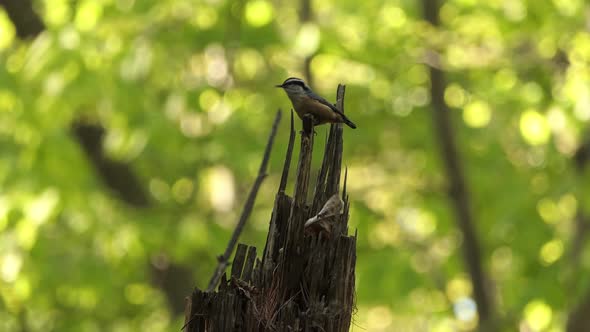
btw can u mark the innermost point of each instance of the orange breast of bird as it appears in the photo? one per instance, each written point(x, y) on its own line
point(322, 113)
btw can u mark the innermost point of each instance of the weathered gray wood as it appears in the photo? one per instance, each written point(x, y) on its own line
point(334, 179)
point(287, 165)
point(332, 161)
point(280, 214)
point(239, 258)
point(292, 250)
point(304, 281)
point(249, 264)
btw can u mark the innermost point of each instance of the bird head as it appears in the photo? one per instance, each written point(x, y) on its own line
point(294, 86)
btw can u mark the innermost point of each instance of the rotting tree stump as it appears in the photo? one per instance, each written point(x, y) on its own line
point(304, 281)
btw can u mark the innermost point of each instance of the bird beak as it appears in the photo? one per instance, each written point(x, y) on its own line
point(279, 86)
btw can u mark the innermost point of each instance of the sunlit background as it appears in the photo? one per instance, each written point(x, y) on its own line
point(131, 131)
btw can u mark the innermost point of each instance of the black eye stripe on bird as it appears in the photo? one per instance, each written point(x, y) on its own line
point(294, 80)
point(305, 101)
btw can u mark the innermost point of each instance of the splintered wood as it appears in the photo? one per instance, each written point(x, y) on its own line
point(305, 279)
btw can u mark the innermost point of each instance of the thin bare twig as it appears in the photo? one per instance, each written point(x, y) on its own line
point(458, 188)
point(328, 183)
point(224, 259)
point(287, 165)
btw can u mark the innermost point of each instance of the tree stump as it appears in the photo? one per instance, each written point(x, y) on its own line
point(304, 280)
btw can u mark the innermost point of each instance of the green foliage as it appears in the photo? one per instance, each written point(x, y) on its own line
point(184, 90)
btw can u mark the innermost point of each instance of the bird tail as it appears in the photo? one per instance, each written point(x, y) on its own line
point(348, 122)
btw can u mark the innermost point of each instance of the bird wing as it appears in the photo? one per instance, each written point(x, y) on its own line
point(325, 102)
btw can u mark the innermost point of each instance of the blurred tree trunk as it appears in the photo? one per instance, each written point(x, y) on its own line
point(458, 192)
point(579, 318)
point(26, 22)
point(304, 281)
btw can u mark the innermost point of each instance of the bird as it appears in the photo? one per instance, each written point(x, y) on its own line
point(305, 101)
point(332, 208)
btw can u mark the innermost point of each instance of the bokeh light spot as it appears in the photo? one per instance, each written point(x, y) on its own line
point(582, 102)
point(69, 38)
point(191, 124)
point(380, 88)
point(505, 79)
point(538, 315)
point(444, 325)
point(568, 7)
point(57, 12)
point(383, 234)
point(182, 190)
point(548, 211)
point(217, 67)
point(455, 96)
point(88, 14)
point(87, 297)
point(393, 16)
point(22, 288)
point(7, 31)
point(419, 96)
point(466, 3)
point(138, 62)
point(502, 261)
point(568, 206)
point(557, 119)
point(515, 10)
point(249, 64)
point(534, 128)
point(465, 309)
point(379, 318)
point(551, 252)
point(26, 233)
point(418, 74)
point(416, 222)
point(208, 99)
point(259, 13)
point(137, 293)
point(175, 105)
point(532, 92)
point(355, 32)
point(219, 182)
point(39, 209)
point(54, 84)
point(10, 266)
point(458, 287)
point(547, 47)
point(308, 39)
point(4, 211)
point(159, 189)
point(8, 100)
point(477, 114)
point(205, 17)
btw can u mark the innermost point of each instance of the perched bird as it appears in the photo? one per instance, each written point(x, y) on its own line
point(305, 101)
point(332, 208)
